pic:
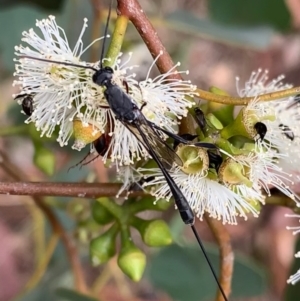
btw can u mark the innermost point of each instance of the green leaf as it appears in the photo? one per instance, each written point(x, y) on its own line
point(258, 37)
point(184, 274)
point(68, 294)
point(293, 291)
point(251, 12)
point(53, 5)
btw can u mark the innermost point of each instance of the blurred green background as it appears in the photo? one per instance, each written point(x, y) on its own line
point(216, 40)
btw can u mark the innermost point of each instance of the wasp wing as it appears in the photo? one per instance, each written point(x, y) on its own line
point(155, 139)
point(180, 139)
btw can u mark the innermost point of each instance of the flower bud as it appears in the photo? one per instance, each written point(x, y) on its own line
point(234, 173)
point(155, 233)
point(195, 159)
point(84, 134)
point(132, 261)
point(100, 214)
point(214, 121)
point(223, 112)
point(102, 248)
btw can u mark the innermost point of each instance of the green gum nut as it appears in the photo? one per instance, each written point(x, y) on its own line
point(234, 173)
point(103, 247)
point(100, 214)
point(236, 127)
point(132, 262)
point(155, 233)
point(223, 112)
point(195, 159)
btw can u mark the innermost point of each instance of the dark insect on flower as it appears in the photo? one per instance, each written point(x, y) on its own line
point(27, 103)
point(215, 160)
point(101, 145)
point(200, 119)
point(150, 135)
point(287, 131)
point(261, 130)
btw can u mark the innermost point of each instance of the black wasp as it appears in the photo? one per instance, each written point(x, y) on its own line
point(148, 133)
point(27, 103)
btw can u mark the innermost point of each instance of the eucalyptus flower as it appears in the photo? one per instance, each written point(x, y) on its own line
point(264, 171)
point(205, 191)
point(280, 116)
point(205, 195)
point(65, 94)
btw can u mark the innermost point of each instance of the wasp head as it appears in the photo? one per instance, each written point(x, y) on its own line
point(103, 76)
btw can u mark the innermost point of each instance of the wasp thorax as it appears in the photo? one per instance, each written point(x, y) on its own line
point(232, 172)
point(195, 159)
point(103, 76)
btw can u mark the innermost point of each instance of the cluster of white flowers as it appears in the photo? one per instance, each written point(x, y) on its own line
point(63, 94)
point(281, 142)
point(280, 116)
point(66, 94)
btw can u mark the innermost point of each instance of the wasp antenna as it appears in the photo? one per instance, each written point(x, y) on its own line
point(57, 62)
point(209, 262)
point(105, 35)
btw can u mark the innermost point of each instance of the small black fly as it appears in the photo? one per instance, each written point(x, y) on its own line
point(27, 103)
point(149, 134)
point(261, 130)
point(287, 131)
point(200, 118)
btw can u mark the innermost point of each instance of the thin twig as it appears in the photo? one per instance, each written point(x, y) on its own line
point(226, 255)
point(224, 99)
point(16, 173)
point(80, 190)
point(135, 13)
point(96, 25)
